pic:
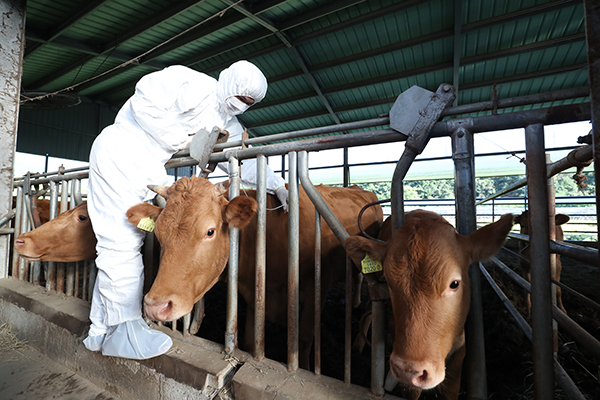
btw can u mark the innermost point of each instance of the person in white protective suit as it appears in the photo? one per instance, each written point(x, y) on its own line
point(167, 108)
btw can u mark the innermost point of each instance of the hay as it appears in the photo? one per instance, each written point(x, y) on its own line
point(9, 341)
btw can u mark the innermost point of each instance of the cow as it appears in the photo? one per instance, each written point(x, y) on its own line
point(193, 231)
point(523, 221)
point(425, 264)
point(68, 237)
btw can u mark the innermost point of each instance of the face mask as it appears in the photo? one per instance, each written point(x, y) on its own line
point(234, 106)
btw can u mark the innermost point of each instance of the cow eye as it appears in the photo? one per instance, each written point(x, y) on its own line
point(454, 285)
point(82, 218)
point(210, 233)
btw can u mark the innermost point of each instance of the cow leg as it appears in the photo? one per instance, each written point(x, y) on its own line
point(451, 385)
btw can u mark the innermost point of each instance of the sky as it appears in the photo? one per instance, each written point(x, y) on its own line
point(564, 135)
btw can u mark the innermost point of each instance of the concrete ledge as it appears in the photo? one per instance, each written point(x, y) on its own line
point(193, 368)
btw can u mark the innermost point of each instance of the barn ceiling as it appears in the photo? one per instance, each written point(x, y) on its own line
point(326, 62)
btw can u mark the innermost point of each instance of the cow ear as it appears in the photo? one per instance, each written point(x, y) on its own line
point(140, 211)
point(240, 211)
point(222, 188)
point(487, 241)
point(561, 219)
point(357, 247)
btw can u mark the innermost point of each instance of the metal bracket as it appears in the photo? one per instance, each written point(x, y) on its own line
point(202, 146)
point(416, 110)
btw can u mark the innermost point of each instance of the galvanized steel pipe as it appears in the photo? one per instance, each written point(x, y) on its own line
point(562, 378)
point(541, 311)
point(466, 223)
point(261, 258)
point(293, 263)
point(232, 272)
point(318, 288)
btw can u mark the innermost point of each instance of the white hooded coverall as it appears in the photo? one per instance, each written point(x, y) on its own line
point(168, 106)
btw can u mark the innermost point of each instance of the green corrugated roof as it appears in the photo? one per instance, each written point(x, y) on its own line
point(360, 54)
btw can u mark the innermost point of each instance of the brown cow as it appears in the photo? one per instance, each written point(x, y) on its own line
point(426, 265)
point(68, 237)
point(523, 220)
point(193, 233)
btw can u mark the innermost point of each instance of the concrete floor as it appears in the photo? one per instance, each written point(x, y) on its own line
point(27, 374)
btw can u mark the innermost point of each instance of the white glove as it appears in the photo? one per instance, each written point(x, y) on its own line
point(282, 195)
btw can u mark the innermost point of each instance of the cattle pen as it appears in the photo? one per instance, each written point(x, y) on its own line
point(344, 76)
point(68, 279)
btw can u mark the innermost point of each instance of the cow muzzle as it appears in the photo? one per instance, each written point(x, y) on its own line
point(158, 310)
point(420, 374)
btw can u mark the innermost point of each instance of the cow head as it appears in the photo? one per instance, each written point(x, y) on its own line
point(68, 237)
point(559, 219)
point(193, 231)
point(426, 265)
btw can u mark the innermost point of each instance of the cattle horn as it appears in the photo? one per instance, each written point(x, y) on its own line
point(161, 190)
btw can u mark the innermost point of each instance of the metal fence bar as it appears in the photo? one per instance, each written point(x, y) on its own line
point(17, 227)
point(293, 264)
point(563, 379)
point(261, 258)
point(232, 274)
point(348, 323)
point(541, 315)
point(318, 288)
point(580, 335)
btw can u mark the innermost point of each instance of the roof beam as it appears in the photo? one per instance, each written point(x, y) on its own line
point(148, 24)
point(447, 33)
point(391, 100)
point(79, 14)
point(295, 53)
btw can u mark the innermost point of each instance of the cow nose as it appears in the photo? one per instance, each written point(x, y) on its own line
point(19, 242)
point(419, 377)
point(417, 374)
point(158, 310)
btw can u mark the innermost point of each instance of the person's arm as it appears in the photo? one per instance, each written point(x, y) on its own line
point(162, 102)
point(248, 177)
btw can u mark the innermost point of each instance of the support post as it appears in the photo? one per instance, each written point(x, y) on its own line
point(12, 37)
point(592, 34)
point(541, 311)
point(466, 222)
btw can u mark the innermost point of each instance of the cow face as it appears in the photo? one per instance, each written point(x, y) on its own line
point(193, 231)
point(426, 265)
point(68, 237)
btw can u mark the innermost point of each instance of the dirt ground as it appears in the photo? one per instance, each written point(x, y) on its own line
point(508, 351)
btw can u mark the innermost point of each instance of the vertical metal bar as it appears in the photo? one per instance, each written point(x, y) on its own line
point(51, 276)
point(24, 228)
point(552, 236)
point(261, 258)
point(348, 323)
point(293, 263)
point(378, 360)
point(232, 273)
point(187, 320)
point(346, 168)
point(592, 34)
point(463, 156)
point(318, 286)
point(61, 266)
point(17, 226)
point(541, 312)
point(198, 317)
point(70, 267)
point(12, 37)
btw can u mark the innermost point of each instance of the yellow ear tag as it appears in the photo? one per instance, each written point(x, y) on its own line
point(146, 224)
point(370, 265)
